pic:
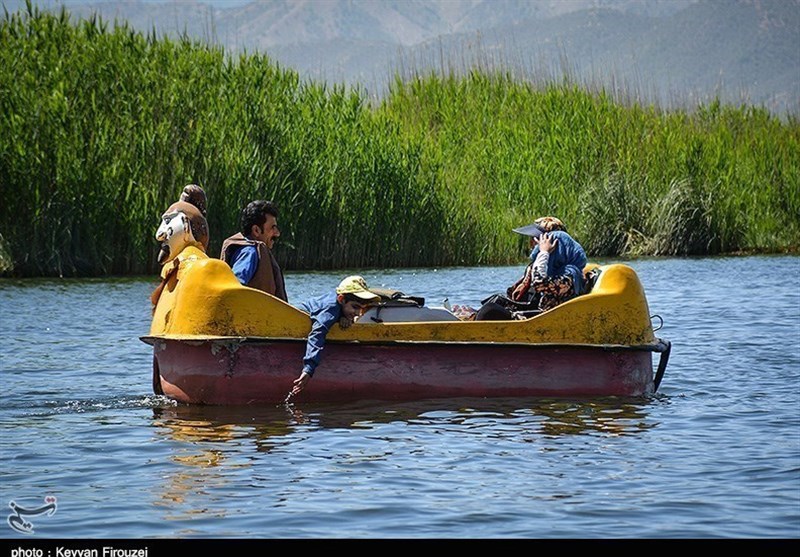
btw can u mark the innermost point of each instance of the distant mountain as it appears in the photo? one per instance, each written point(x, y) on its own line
point(741, 50)
point(268, 23)
point(658, 49)
point(752, 47)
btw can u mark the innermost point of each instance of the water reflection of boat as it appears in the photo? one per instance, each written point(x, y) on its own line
point(197, 466)
point(268, 427)
point(197, 425)
point(212, 448)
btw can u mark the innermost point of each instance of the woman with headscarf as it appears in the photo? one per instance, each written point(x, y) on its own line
point(554, 275)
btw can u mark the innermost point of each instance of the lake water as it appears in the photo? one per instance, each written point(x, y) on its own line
point(716, 453)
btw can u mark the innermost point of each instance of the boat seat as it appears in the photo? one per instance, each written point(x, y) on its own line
point(405, 313)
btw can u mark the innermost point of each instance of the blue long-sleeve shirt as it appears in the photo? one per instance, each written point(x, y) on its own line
point(325, 311)
point(245, 263)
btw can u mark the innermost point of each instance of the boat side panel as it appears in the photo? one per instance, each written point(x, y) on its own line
point(219, 373)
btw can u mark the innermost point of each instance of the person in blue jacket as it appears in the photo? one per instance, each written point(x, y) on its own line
point(342, 306)
point(555, 273)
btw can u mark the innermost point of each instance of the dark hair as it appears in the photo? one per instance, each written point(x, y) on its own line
point(256, 214)
point(353, 298)
point(195, 195)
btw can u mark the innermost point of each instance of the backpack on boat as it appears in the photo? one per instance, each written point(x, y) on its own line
point(397, 307)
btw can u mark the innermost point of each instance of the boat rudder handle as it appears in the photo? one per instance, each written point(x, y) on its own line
point(665, 347)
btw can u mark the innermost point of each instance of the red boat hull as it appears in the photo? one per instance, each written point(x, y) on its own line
point(258, 372)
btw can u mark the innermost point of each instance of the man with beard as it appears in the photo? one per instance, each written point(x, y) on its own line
point(249, 252)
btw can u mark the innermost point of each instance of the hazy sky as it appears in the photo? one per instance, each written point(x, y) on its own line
point(14, 4)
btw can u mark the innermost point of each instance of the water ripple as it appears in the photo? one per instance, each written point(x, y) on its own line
point(716, 453)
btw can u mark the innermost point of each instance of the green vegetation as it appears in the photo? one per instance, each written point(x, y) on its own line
point(101, 127)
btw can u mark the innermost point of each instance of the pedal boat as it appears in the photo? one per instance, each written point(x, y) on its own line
point(217, 342)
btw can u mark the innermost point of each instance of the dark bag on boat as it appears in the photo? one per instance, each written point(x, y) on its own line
point(500, 307)
point(510, 304)
point(396, 298)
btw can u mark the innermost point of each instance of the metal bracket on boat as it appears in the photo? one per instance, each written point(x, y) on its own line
point(664, 347)
point(660, 322)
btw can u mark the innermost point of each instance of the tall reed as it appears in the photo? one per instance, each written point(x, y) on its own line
point(101, 127)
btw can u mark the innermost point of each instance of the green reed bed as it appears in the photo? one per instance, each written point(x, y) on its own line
point(101, 127)
point(626, 179)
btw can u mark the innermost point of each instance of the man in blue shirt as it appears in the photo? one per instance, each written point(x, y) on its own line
point(349, 300)
point(249, 252)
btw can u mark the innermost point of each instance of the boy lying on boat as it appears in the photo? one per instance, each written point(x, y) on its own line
point(342, 306)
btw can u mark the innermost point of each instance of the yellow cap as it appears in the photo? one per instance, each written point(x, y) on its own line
point(356, 286)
